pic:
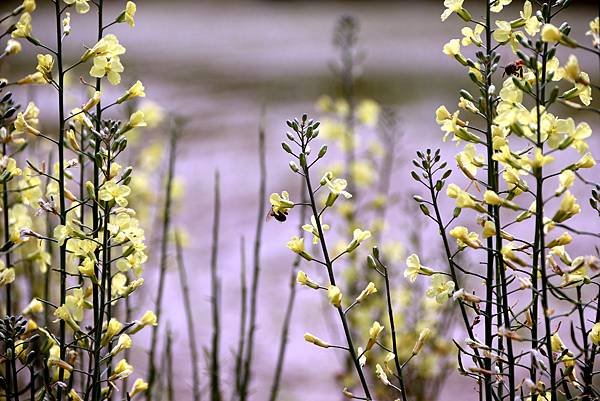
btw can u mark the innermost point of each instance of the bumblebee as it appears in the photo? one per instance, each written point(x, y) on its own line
point(279, 216)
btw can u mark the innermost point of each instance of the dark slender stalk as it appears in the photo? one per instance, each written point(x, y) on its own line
point(7, 255)
point(262, 198)
point(166, 224)
point(327, 261)
point(215, 369)
point(187, 303)
point(96, 384)
point(493, 255)
point(243, 319)
point(61, 188)
point(390, 311)
point(540, 101)
point(283, 339)
point(169, 363)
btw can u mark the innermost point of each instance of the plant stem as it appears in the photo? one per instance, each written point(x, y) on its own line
point(185, 291)
point(243, 318)
point(166, 224)
point(215, 370)
point(262, 197)
point(96, 374)
point(61, 188)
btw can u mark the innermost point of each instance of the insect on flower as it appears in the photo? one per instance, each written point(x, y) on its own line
point(279, 216)
point(515, 69)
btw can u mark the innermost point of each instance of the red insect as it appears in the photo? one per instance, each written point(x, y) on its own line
point(515, 69)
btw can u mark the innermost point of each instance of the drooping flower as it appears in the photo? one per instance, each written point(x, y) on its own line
point(296, 245)
point(335, 295)
point(81, 6)
point(358, 237)
point(414, 268)
point(370, 289)
point(22, 27)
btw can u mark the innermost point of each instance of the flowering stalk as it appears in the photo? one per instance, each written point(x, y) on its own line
point(305, 131)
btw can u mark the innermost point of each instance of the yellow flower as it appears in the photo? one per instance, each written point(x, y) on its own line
point(94, 100)
point(379, 372)
point(128, 14)
point(7, 276)
point(22, 27)
point(472, 35)
point(369, 290)
point(123, 343)
point(539, 159)
point(74, 396)
point(367, 112)
point(498, 5)
point(595, 333)
point(13, 47)
point(414, 268)
point(122, 370)
point(465, 238)
point(336, 187)
point(303, 279)
point(108, 46)
point(504, 33)
point(586, 161)
point(296, 245)
point(22, 126)
point(463, 198)
point(313, 229)
point(452, 49)
point(423, 335)
point(109, 66)
point(374, 332)
point(112, 191)
point(335, 295)
point(281, 204)
point(576, 135)
point(76, 302)
point(564, 239)
point(63, 313)
point(532, 24)
point(81, 6)
point(567, 209)
point(35, 306)
point(551, 34)
point(441, 289)
point(469, 161)
point(135, 120)
point(28, 6)
point(315, 340)
point(358, 237)
point(566, 179)
point(139, 386)
point(455, 6)
point(362, 173)
point(44, 66)
point(136, 90)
